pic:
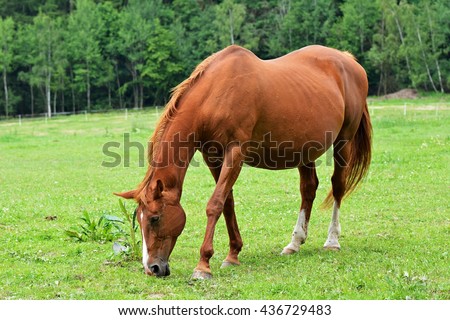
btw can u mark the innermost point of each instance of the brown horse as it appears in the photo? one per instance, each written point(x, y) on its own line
point(272, 114)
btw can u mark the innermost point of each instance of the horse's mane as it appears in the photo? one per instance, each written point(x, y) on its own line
point(350, 55)
point(168, 114)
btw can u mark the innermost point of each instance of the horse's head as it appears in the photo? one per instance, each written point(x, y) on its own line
point(162, 220)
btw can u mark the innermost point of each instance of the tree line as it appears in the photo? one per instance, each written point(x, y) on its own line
point(74, 55)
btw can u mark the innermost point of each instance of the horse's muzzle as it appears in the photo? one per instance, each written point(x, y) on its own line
point(160, 269)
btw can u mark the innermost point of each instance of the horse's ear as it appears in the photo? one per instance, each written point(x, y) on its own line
point(157, 192)
point(127, 194)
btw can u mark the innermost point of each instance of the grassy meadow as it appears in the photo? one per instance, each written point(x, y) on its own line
point(395, 227)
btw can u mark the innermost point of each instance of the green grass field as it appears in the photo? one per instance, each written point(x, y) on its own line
point(395, 227)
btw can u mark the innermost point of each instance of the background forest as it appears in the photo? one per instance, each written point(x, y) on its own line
point(75, 55)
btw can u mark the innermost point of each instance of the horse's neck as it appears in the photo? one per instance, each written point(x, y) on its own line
point(175, 151)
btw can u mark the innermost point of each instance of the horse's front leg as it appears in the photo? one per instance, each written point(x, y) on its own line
point(233, 233)
point(230, 171)
point(230, 217)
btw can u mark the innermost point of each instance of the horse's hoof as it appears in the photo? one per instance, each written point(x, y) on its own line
point(288, 251)
point(332, 244)
point(332, 248)
point(201, 275)
point(227, 264)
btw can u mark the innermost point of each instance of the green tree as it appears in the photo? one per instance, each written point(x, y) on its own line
point(280, 40)
point(408, 48)
point(60, 64)
point(387, 53)
point(311, 21)
point(136, 28)
point(438, 26)
point(43, 38)
point(230, 17)
point(7, 48)
point(26, 47)
point(427, 36)
point(108, 53)
point(161, 62)
point(300, 23)
point(110, 77)
point(354, 30)
point(87, 63)
point(132, 45)
point(195, 32)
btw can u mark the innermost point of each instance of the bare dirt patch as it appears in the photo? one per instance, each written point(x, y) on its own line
point(403, 94)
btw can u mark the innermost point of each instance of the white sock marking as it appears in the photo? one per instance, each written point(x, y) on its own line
point(334, 231)
point(299, 234)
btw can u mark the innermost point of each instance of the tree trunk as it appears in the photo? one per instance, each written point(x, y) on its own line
point(73, 91)
point(88, 93)
point(62, 95)
point(116, 66)
point(316, 21)
point(136, 96)
point(425, 59)
point(361, 37)
point(55, 94)
point(135, 86)
point(284, 9)
point(5, 86)
point(383, 78)
point(141, 95)
point(109, 97)
point(402, 40)
point(230, 11)
point(88, 88)
point(49, 81)
point(433, 46)
point(439, 75)
point(32, 99)
point(48, 94)
point(71, 5)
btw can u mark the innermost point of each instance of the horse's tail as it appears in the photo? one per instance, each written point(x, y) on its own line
point(359, 158)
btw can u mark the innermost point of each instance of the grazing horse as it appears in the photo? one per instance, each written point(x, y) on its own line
point(274, 114)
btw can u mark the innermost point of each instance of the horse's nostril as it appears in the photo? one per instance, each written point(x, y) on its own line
point(159, 270)
point(154, 269)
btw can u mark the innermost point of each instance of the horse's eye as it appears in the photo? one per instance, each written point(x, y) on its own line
point(154, 219)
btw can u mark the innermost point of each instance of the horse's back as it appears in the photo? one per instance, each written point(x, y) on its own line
point(320, 84)
point(304, 97)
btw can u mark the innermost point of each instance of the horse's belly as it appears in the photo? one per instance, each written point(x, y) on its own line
point(285, 154)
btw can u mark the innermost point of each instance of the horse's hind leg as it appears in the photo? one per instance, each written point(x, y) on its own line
point(308, 187)
point(334, 230)
point(338, 181)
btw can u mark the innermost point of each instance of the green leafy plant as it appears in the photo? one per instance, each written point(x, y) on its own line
point(131, 245)
point(106, 228)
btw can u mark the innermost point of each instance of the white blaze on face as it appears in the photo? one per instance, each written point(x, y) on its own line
point(144, 247)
